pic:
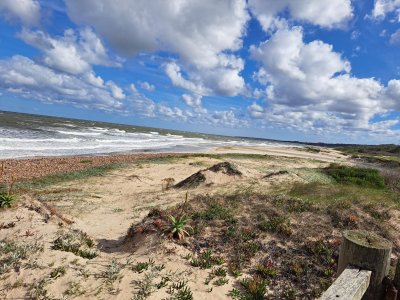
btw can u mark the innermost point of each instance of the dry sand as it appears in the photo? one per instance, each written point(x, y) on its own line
point(106, 206)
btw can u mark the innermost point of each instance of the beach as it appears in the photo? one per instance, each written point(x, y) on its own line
point(96, 226)
point(36, 167)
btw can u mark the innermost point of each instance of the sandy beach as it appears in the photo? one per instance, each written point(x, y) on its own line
point(123, 254)
point(28, 168)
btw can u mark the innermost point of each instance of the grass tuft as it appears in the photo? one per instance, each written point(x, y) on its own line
point(76, 242)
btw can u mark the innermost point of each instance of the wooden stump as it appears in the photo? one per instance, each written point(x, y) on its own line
point(367, 251)
point(397, 276)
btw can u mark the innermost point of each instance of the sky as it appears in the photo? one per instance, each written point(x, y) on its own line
point(305, 70)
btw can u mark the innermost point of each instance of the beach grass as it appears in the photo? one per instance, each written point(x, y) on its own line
point(43, 182)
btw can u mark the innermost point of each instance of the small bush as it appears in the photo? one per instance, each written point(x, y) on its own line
point(6, 200)
point(221, 281)
point(267, 269)
point(214, 211)
point(276, 224)
point(112, 272)
point(12, 253)
point(359, 176)
point(180, 291)
point(255, 287)
point(143, 266)
point(220, 272)
point(76, 242)
point(179, 227)
point(207, 260)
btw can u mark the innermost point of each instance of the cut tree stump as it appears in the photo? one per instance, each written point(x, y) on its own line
point(367, 251)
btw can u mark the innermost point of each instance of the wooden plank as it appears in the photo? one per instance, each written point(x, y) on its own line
point(350, 285)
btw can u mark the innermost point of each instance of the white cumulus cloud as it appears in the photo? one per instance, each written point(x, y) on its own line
point(23, 76)
point(383, 7)
point(27, 11)
point(324, 13)
point(310, 87)
point(71, 53)
point(199, 32)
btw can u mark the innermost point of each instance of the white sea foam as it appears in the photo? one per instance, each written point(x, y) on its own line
point(70, 139)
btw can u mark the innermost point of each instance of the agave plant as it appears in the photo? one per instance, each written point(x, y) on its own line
point(6, 200)
point(179, 227)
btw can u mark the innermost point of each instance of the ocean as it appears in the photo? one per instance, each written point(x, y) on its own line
point(25, 135)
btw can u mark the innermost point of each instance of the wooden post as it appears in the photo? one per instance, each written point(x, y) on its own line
point(367, 251)
point(397, 276)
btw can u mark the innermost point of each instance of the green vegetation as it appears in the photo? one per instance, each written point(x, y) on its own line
point(58, 272)
point(221, 281)
point(389, 149)
point(62, 177)
point(112, 272)
point(6, 200)
point(180, 291)
point(220, 272)
point(6, 197)
point(207, 260)
point(143, 266)
point(179, 227)
point(76, 242)
point(353, 175)
point(214, 211)
point(311, 149)
point(12, 253)
point(255, 288)
point(331, 194)
point(267, 269)
point(37, 289)
point(276, 224)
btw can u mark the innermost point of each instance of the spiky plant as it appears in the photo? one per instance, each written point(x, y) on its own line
point(179, 227)
point(6, 200)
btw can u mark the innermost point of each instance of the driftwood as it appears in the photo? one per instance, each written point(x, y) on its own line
point(275, 174)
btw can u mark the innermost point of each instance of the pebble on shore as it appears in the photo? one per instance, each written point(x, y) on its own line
point(29, 168)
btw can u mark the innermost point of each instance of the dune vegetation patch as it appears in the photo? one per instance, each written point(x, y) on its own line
point(279, 244)
point(257, 240)
point(365, 177)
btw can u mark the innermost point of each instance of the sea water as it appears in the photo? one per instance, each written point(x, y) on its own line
point(23, 135)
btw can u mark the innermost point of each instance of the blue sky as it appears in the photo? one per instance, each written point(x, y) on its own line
point(309, 70)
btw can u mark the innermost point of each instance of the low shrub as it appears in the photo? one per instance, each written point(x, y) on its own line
point(276, 224)
point(179, 227)
point(353, 175)
point(255, 287)
point(76, 242)
point(214, 211)
point(207, 260)
point(6, 200)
